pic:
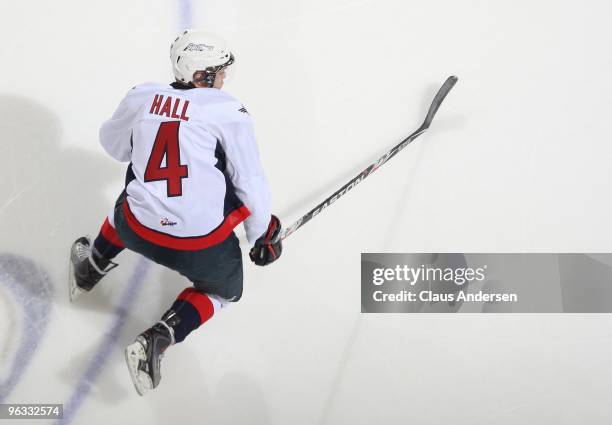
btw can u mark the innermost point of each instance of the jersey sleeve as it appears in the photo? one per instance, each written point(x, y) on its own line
point(246, 172)
point(116, 133)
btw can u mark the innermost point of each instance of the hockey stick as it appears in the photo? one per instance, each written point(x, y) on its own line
point(433, 108)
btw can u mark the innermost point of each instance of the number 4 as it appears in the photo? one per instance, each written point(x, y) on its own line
point(167, 145)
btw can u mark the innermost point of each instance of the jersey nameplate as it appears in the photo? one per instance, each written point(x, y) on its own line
point(169, 107)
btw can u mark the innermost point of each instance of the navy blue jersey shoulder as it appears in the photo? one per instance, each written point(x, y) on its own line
point(180, 86)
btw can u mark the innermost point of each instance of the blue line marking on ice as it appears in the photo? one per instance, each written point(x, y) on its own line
point(33, 291)
point(108, 343)
point(128, 298)
point(185, 8)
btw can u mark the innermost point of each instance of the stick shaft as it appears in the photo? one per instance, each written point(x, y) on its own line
point(433, 108)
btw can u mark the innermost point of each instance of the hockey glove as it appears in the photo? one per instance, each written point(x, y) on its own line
point(265, 250)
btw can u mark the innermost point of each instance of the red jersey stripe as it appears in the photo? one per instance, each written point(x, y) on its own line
point(193, 243)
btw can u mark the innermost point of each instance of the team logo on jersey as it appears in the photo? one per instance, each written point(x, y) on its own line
point(166, 222)
point(192, 47)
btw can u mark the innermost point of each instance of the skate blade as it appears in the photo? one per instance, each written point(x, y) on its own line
point(74, 291)
point(134, 353)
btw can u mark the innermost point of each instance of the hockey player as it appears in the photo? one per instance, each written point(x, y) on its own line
point(194, 174)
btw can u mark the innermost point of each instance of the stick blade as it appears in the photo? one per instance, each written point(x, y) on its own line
point(444, 90)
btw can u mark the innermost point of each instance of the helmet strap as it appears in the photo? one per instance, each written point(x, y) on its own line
point(210, 78)
point(207, 77)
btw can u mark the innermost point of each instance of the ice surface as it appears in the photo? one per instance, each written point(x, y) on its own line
point(517, 160)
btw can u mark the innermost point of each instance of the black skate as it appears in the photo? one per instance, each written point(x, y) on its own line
point(143, 357)
point(85, 272)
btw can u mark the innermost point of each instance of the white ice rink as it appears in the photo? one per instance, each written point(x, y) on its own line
point(518, 159)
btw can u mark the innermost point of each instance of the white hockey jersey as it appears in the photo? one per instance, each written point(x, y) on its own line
point(194, 170)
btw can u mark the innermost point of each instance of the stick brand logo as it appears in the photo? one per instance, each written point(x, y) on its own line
point(339, 194)
point(192, 47)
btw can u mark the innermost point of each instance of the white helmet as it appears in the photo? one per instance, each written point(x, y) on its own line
point(197, 50)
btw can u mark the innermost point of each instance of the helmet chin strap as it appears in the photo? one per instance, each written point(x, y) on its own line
point(210, 78)
point(205, 77)
point(208, 75)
